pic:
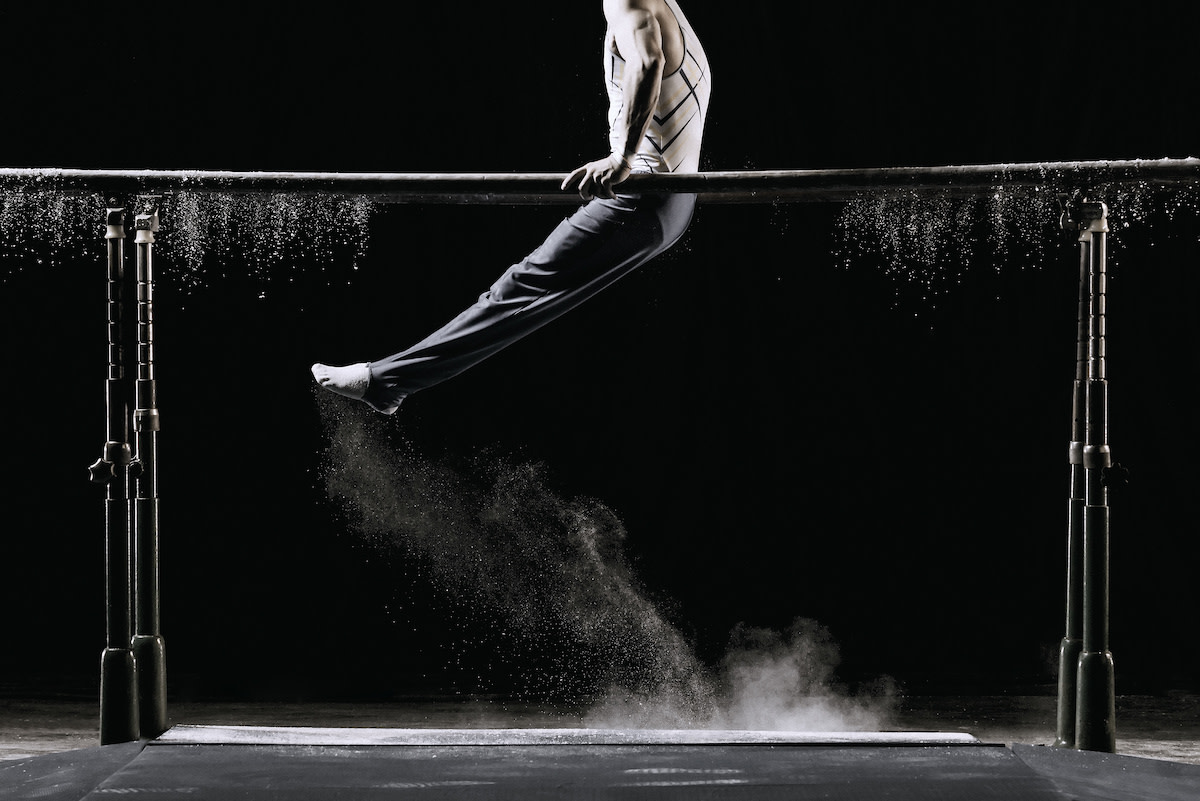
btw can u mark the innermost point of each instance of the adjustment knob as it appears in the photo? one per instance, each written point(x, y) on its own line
point(101, 472)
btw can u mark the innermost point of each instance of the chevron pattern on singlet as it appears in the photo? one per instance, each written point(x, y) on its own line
point(672, 140)
point(679, 107)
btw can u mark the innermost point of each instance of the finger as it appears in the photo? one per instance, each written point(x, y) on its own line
point(573, 177)
point(586, 187)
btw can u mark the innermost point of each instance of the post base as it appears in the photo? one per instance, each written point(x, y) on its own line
point(1068, 670)
point(1096, 716)
point(150, 655)
point(118, 696)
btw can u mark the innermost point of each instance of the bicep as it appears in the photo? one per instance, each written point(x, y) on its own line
point(635, 30)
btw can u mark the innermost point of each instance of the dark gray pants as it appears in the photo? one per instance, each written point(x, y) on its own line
point(601, 242)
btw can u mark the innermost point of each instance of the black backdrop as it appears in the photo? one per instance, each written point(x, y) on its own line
point(783, 436)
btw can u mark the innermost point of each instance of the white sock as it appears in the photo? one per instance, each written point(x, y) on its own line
point(350, 381)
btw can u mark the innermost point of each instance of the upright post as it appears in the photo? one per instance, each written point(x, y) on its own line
point(147, 644)
point(1072, 643)
point(1095, 721)
point(118, 674)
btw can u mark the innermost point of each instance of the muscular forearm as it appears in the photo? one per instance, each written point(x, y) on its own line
point(642, 82)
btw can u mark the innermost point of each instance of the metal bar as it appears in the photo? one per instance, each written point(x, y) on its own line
point(147, 644)
point(510, 188)
point(118, 675)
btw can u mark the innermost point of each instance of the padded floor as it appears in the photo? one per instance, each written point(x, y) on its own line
point(309, 763)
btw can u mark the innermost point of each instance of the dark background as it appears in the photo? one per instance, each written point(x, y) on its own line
point(782, 436)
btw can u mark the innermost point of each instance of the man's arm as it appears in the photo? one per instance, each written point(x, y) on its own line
point(639, 41)
point(638, 37)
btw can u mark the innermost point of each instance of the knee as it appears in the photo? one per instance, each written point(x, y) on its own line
point(519, 283)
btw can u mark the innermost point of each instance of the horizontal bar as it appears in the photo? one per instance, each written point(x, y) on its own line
point(730, 187)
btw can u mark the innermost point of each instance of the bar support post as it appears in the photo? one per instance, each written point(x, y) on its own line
point(118, 672)
point(1072, 643)
point(147, 644)
point(1095, 696)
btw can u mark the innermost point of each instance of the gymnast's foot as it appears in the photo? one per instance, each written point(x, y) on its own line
point(350, 381)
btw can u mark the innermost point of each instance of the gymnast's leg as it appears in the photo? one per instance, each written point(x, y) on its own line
point(601, 242)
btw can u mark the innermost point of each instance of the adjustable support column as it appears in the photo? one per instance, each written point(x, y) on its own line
point(147, 644)
point(1095, 720)
point(1095, 690)
point(118, 672)
point(1072, 643)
